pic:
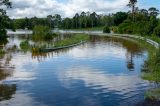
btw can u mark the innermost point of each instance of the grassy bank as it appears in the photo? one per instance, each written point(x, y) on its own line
point(73, 40)
point(2, 53)
point(151, 71)
point(88, 29)
point(63, 43)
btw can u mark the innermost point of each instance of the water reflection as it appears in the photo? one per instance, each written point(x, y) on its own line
point(95, 73)
point(6, 91)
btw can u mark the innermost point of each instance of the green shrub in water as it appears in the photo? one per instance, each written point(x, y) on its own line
point(41, 33)
point(106, 29)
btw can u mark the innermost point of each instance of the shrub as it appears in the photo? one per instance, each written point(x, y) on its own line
point(157, 31)
point(41, 33)
point(106, 29)
point(125, 28)
point(24, 45)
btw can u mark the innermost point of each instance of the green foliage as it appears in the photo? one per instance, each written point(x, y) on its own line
point(157, 31)
point(126, 27)
point(106, 29)
point(152, 66)
point(25, 46)
point(41, 33)
point(153, 94)
point(4, 19)
point(119, 17)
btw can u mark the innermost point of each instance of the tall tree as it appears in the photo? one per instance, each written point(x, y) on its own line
point(4, 19)
point(153, 12)
point(132, 4)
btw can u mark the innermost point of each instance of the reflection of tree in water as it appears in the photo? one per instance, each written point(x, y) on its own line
point(6, 70)
point(4, 73)
point(133, 48)
point(6, 91)
point(41, 56)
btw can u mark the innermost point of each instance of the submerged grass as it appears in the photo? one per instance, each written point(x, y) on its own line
point(151, 71)
point(153, 94)
point(73, 40)
point(65, 42)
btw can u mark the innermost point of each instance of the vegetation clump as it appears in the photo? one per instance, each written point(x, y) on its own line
point(41, 33)
point(25, 46)
point(106, 29)
point(73, 40)
point(153, 95)
point(157, 31)
point(152, 67)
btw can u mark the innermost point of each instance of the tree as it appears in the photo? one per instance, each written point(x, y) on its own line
point(4, 19)
point(144, 12)
point(153, 12)
point(6, 3)
point(76, 20)
point(157, 31)
point(119, 17)
point(132, 4)
point(93, 17)
point(106, 29)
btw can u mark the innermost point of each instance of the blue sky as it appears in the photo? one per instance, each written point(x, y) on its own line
point(149, 3)
point(67, 8)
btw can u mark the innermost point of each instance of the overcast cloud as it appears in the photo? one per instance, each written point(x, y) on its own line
point(66, 8)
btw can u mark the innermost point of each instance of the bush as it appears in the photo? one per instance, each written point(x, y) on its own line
point(41, 33)
point(126, 28)
point(25, 46)
point(157, 31)
point(106, 29)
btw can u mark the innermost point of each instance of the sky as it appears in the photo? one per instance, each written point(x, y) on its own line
point(68, 8)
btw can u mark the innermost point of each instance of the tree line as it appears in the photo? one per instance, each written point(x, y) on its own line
point(136, 21)
point(82, 20)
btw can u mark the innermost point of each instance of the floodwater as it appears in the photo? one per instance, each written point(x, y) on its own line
point(106, 71)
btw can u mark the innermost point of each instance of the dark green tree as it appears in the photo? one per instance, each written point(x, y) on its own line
point(132, 4)
point(4, 19)
point(153, 12)
point(119, 17)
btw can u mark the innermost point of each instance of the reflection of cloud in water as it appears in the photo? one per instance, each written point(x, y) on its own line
point(98, 51)
point(21, 73)
point(21, 99)
point(98, 80)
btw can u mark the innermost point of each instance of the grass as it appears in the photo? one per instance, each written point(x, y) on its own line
point(152, 94)
point(88, 29)
point(73, 40)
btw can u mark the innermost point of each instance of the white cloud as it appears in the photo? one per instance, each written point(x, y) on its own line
point(42, 8)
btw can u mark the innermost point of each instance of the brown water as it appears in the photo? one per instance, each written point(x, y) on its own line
point(102, 72)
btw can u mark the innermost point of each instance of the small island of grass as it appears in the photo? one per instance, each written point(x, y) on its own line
point(68, 42)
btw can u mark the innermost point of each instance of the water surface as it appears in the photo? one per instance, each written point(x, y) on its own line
point(106, 71)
